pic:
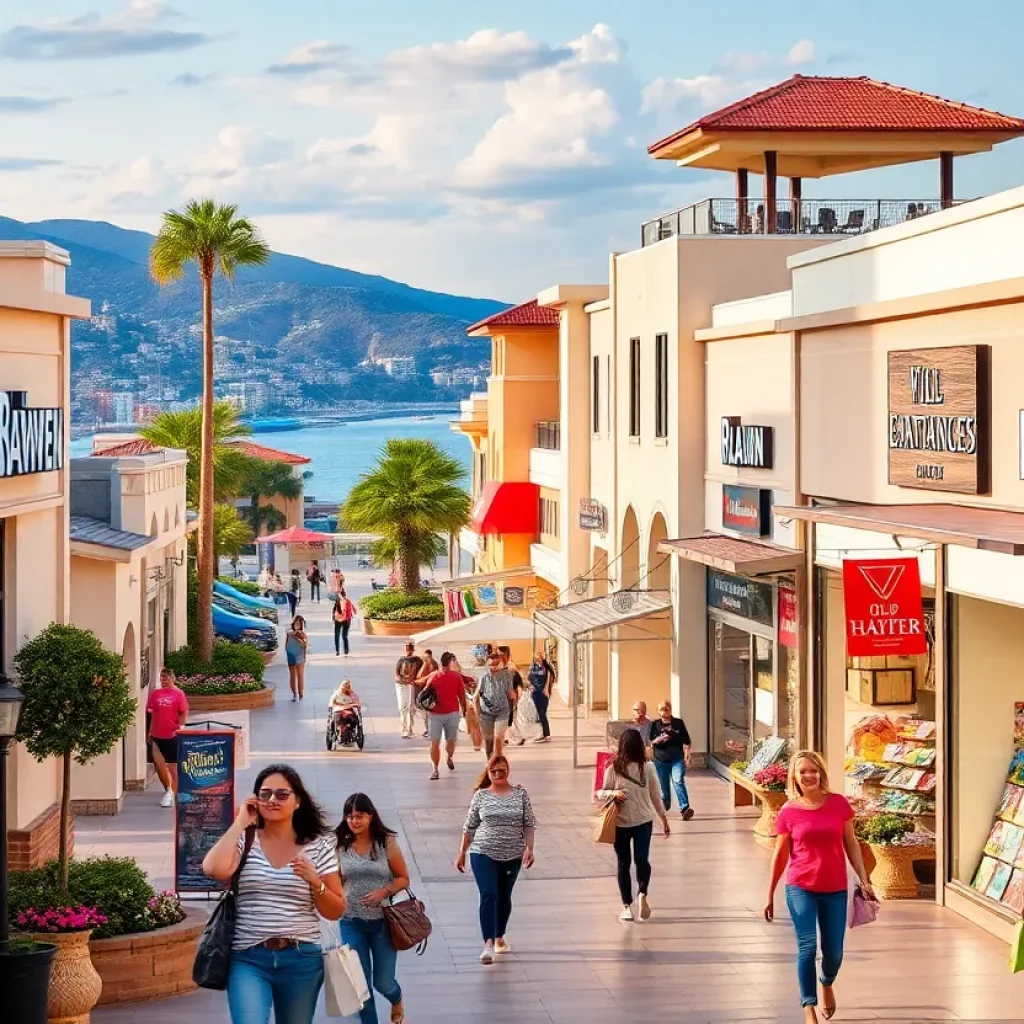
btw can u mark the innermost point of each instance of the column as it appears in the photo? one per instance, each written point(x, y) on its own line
point(771, 164)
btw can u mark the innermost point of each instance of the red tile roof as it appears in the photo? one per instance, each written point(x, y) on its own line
point(261, 451)
point(128, 448)
point(528, 314)
point(804, 103)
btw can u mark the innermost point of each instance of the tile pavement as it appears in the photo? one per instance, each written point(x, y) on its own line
point(705, 957)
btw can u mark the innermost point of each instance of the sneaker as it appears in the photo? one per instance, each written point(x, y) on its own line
point(167, 800)
point(434, 775)
point(501, 946)
point(627, 914)
point(426, 734)
point(643, 906)
point(542, 739)
point(294, 698)
point(487, 956)
point(687, 814)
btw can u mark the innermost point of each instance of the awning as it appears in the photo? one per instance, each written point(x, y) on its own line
point(507, 507)
point(984, 529)
point(731, 554)
point(491, 627)
point(483, 578)
point(295, 535)
point(572, 621)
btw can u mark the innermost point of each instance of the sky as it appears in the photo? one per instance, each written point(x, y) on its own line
point(477, 148)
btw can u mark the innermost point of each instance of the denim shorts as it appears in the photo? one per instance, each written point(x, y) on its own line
point(444, 725)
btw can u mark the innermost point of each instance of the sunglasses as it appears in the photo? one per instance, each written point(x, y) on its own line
point(280, 795)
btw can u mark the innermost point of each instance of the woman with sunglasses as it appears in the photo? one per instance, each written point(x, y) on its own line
point(288, 881)
point(296, 644)
point(372, 870)
point(498, 835)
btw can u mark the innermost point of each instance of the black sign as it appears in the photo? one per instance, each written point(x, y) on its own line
point(205, 805)
point(746, 510)
point(31, 440)
point(514, 597)
point(743, 597)
point(747, 445)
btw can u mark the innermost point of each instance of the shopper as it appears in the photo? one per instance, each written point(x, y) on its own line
point(670, 743)
point(472, 715)
point(498, 835)
point(517, 685)
point(265, 581)
point(288, 882)
point(429, 667)
point(345, 698)
point(407, 668)
point(631, 782)
point(372, 870)
point(167, 707)
point(343, 612)
point(449, 688)
point(296, 589)
point(315, 578)
point(337, 582)
point(815, 839)
point(493, 698)
point(542, 679)
point(641, 722)
point(296, 646)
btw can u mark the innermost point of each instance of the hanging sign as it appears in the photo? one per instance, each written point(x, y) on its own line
point(514, 597)
point(884, 610)
point(31, 440)
point(746, 510)
point(789, 624)
point(592, 515)
point(749, 446)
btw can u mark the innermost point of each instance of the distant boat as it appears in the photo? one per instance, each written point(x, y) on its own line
point(423, 417)
point(268, 425)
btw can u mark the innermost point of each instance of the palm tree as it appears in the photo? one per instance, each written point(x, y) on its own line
point(230, 531)
point(216, 239)
point(268, 479)
point(412, 496)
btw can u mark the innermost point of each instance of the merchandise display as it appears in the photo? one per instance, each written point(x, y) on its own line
point(1000, 875)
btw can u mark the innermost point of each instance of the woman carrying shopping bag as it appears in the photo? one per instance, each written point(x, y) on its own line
point(372, 871)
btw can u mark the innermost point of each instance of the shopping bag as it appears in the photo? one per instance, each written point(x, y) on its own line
point(607, 818)
point(863, 909)
point(345, 988)
point(1017, 949)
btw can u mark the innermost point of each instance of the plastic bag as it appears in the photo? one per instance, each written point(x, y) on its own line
point(1017, 949)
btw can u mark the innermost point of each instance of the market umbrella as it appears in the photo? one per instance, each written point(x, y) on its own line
point(295, 535)
point(490, 627)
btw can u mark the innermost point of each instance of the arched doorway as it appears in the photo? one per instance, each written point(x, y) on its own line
point(659, 566)
point(629, 550)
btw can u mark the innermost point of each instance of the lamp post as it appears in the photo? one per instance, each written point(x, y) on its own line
point(11, 699)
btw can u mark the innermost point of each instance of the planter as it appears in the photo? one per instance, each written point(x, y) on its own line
point(868, 857)
point(74, 984)
point(771, 802)
point(25, 981)
point(893, 877)
point(381, 627)
point(149, 965)
point(234, 701)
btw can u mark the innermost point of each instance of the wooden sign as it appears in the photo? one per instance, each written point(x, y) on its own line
point(939, 430)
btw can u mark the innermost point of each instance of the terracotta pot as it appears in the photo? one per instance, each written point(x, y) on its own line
point(771, 803)
point(74, 984)
point(381, 627)
point(234, 701)
point(893, 876)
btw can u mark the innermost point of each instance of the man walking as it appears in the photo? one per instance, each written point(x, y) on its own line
point(448, 686)
point(315, 578)
point(670, 742)
point(642, 724)
point(494, 697)
point(407, 668)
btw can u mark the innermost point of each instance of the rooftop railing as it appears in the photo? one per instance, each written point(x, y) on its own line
point(806, 216)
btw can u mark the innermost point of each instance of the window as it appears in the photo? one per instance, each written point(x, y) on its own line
point(595, 397)
point(549, 517)
point(661, 385)
point(634, 387)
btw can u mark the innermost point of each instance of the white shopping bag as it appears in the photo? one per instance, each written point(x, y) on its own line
point(345, 988)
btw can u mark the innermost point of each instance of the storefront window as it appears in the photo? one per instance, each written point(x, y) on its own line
point(764, 689)
point(730, 689)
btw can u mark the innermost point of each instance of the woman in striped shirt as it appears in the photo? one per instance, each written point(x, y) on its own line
point(289, 877)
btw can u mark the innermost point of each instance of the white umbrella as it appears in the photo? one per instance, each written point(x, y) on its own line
point(490, 627)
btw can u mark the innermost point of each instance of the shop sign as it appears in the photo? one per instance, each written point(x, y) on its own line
point(884, 610)
point(789, 623)
point(748, 446)
point(746, 510)
point(939, 419)
point(514, 597)
point(746, 598)
point(592, 515)
point(31, 440)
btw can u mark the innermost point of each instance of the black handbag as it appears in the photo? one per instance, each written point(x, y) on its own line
point(213, 951)
point(427, 698)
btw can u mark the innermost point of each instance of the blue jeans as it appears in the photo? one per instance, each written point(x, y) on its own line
point(811, 912)
point(541, 702)
point(379, 959)
point(288, 980)
point(495, 879)
point(674, 772)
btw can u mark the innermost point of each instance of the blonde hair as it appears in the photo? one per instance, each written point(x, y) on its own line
point(793, 790)
point(344, 683)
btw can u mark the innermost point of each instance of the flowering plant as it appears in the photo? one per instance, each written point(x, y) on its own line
point(164, 908)
point(214, 686)
point(60, 919)
point(773, 778)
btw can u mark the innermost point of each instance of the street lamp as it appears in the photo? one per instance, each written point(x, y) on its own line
point(11, 699)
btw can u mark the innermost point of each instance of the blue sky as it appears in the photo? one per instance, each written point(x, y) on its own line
point(479, 148)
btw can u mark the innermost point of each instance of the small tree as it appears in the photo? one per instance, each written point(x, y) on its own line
point(78, 704)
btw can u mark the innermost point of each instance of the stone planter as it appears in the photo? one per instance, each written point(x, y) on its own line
point(893, 876)
point(149, 965)
point(233, 701)
point(771, 802)
point(381, 627)
point(74, 984)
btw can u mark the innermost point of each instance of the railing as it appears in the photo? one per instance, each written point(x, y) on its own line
point(806, 216)
point(549, 435)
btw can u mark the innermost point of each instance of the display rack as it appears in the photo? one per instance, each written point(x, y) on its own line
point(1000, 874)
point(901, 778)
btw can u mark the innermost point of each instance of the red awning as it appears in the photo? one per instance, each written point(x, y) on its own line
point(507, 508)
point(295, 535)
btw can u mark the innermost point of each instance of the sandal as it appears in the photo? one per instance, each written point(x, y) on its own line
point(828, 1012)
point(397, 1013)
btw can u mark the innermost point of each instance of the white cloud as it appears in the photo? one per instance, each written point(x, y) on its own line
point(800, 53)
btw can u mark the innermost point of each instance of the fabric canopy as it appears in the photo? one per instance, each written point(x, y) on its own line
point(507, 508)
point(295, 535)
point(491, 627)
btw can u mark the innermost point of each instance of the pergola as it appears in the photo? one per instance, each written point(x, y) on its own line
point(813, 127)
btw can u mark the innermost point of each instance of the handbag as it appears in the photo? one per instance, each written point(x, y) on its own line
point(407, 923)
point(607, 819)
point(426, 699)
point(213, 951)
point(863, 909)
point(345, 987)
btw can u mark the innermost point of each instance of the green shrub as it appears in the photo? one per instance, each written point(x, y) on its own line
point(228, 660)
point(416, 613)
point(883, 829)
point(116, 886)
point(384, 602)
point(243, 586)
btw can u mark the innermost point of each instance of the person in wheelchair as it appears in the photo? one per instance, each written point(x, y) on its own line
point(345, 724)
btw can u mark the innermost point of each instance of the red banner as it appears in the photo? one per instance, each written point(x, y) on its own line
point(789, 625)
point(884, 613)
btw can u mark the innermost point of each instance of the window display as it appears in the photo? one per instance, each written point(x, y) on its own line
point(1000, 875)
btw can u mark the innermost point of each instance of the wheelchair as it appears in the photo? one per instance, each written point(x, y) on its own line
point(345, 728)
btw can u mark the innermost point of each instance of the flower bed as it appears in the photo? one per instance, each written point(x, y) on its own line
point(228, 660)
point(394, 613)
point(218, 686)
point(242, 586)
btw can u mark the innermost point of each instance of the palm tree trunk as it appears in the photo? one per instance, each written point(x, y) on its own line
point(65, 822)
point(205, 550)
point(408, 568)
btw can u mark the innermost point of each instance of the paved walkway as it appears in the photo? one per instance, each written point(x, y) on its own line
point(705, 956)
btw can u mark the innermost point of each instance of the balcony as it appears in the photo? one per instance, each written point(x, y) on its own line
point(549, 435)
point(836, 217)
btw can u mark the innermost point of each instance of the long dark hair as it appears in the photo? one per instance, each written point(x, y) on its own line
point(631, 751)
point(308, 821)
point(484, 782)
point(299, 618)
point(379, 832)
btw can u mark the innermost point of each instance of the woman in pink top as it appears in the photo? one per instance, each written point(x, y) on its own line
point(167, 707)
point(815, 838)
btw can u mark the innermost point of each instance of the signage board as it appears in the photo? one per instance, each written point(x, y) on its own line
point(746, 445)
point(592, 515)
point(205, 805)
point(747, 510)
point(884, 609)
point(746, 598)
point(789, 621)
point(31, 440)
point(514, 597)
point(938, 424)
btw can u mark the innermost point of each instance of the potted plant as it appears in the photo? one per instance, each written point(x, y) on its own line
point(78, 704)
point(888, 836)
point(769, 786)
point(25, 967)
